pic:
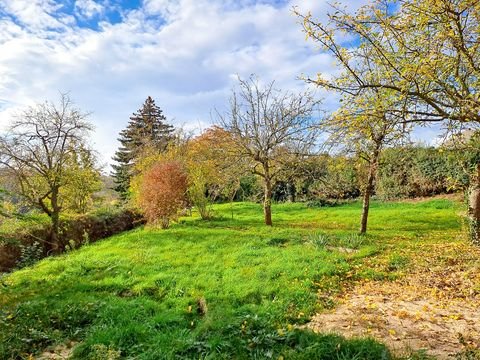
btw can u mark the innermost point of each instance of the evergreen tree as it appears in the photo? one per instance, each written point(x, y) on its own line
point(146, 128)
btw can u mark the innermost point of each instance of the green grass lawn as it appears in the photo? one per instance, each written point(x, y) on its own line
point(137, 295)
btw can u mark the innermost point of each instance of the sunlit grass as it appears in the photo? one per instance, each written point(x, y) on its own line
point(138, 293)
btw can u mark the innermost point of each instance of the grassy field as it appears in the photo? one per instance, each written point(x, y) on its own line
point(227, 288)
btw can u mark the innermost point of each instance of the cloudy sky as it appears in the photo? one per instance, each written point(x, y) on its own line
point(109, 55)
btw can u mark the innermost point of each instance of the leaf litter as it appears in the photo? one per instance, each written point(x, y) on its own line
point(434, 306)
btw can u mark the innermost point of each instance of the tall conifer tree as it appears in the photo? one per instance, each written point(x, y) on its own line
point(147, 128)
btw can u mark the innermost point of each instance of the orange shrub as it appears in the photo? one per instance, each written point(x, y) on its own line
point(162, 192)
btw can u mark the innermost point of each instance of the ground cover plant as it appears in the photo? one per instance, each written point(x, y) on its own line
point(226, 288)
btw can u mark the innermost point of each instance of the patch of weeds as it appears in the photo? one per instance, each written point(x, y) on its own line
point(203, 348)
point(471, 350)
point(397, 262)
point(319, 240)
point(307, 345)
point(258, 337)
point(29, 254)
point(277, 241)
point(103, 352)
point(353, 241)
point(417, 355)
point(468, 354)
point(350, 241)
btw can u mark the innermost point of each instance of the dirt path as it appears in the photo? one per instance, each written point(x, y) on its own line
point(435, 307)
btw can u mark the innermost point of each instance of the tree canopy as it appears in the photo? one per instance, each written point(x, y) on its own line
point(266, 122)
point(37, 153)
point(426, 52)
point(147, 128)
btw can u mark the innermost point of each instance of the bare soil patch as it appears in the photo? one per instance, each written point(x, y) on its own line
point(435, 306)
point(59, 352)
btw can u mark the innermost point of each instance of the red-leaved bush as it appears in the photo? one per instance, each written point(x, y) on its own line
point(163, 192)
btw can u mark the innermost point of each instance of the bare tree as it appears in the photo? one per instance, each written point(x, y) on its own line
point(35, 151)
point(266, 123)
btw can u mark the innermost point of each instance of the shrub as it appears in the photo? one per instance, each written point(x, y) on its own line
point(23, 244)
point(323, 202)
point(350, 241)
point(29, 254)
point(162, 192)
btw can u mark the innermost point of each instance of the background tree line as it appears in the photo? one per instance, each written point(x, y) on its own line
point(161, 172)
point(414, 63)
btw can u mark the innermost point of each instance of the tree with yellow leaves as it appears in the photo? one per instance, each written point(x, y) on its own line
point(365, 124)
point(213, 169)
point(427, 52)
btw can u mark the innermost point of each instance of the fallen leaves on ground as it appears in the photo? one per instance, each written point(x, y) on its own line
point(434, 305)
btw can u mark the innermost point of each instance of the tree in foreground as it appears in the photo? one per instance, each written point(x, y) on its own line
point(147, 128)
point(426, 51)
point(265, 123)
point(365, 124)
point(162, 192)
point(37, 151)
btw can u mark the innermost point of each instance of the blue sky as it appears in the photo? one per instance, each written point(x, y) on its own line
point(111, 54)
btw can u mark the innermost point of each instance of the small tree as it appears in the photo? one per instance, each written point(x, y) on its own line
point(36, 152)
point(163, 192)
point(83, 180)
point(264, 122)
point(213, 171)
point(365, 124)
point(147, 128)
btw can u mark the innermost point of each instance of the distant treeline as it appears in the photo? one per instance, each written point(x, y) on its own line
point(404, 172)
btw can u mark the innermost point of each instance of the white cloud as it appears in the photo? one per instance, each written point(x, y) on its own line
point(183, 53)
point(88, 8)
point(168, 9)
point(37, 16)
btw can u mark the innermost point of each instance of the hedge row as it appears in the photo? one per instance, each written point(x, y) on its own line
point(31, 244)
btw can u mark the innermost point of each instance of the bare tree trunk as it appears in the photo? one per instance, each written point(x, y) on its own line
point(292, 191)
point(55, 219)
point(165, 222)
point(372, 174)
point(267, 203)
point(366, 205)
point(474, 208)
